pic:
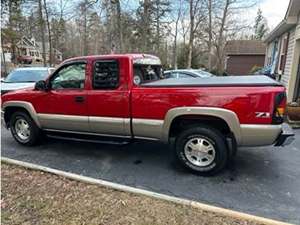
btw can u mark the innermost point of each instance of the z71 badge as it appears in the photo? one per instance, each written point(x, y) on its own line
point(262, 114)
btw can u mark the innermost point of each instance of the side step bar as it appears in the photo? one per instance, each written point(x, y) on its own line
point(88, 140)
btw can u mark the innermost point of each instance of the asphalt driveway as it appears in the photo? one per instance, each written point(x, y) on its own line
point(262, 181)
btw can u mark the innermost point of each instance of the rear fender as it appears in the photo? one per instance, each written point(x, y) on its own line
point(228, 116)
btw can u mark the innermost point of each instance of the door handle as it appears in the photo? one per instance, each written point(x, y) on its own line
point(79, 99)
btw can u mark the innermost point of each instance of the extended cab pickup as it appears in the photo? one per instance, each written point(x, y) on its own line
point(125, 97)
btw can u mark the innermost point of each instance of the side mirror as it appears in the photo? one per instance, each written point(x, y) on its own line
point(40, 85)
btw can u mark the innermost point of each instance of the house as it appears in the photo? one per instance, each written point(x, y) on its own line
point(29, 47)
point(57, 55)
point(243, 55)
point(283, 51)
point(6, 52)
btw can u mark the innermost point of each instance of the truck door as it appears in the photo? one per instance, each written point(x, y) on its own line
point(108, 98)
point(64, 107)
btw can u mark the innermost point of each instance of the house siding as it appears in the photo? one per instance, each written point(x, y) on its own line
point(290, 67)
point(289, 59)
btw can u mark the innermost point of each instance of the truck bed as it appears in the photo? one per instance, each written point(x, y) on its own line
point(229, 81)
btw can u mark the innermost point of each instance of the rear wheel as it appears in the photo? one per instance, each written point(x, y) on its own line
point(23, 129)
point(202, 150)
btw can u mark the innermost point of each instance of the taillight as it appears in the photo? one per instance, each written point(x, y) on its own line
point(279, 108)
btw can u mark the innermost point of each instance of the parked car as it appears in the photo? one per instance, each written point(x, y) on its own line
point(124, 97)
point(24, 59)
point(187, 73)
point(24, 78)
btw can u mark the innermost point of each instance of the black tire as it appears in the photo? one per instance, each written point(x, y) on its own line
point(210, 135)
point(35, 132)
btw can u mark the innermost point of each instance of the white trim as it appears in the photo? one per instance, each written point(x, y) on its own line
point(125, 188)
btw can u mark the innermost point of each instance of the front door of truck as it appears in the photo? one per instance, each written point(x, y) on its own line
point(108, 98)
point(64, 106)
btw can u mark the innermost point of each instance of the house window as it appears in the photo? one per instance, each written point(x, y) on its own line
point(283, 53)
point(23, 51)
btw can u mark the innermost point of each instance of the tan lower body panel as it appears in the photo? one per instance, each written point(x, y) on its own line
point(64, 122)
point(259, 135)
point(146, 128)
point(251, 135)
point(101, 125)
point(110, 125)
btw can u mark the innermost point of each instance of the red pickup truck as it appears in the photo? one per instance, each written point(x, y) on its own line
point(125, 97)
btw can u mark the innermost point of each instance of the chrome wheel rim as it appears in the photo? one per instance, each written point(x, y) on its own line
point(22, 129)
point(199, 151)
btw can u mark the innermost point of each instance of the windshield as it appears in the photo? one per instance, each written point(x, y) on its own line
point(20, 76)
point(146, 73)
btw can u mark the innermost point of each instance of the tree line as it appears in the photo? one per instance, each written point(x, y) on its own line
point(183, 33)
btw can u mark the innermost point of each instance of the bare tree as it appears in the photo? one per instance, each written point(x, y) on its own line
point(114, 24)
point(196, 16)
point(49, 33)
point(146, 24)
point(220, 40)
point(175, 35)
point(210, 34)
point(13, 29)
point(84, 6)
point(222, 24)
point(42, 30)
point(192, 32)
point(119, 22)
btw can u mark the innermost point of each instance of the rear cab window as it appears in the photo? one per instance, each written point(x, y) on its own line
point(106, 74)
point(146, 70)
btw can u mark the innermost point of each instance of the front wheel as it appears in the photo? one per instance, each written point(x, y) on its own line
point(23, 129)
point(202, 150)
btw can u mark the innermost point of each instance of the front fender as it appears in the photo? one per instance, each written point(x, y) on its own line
point(24, 105)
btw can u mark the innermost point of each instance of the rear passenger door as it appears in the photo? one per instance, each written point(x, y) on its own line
point(108, 99)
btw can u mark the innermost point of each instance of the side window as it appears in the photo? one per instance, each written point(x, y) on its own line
point(106, 74)
point(69, 77)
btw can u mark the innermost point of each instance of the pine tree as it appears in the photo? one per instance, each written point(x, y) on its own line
point(260, 26)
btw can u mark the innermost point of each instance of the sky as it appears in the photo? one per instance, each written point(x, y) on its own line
point(273, 10)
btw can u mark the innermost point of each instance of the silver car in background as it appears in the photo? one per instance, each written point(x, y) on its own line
point(24, 78)
point(187, 73)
